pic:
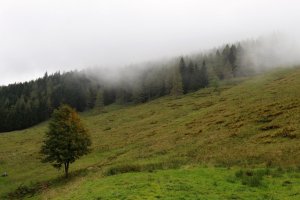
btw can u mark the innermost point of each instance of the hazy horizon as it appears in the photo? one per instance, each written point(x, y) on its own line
point(39, 36)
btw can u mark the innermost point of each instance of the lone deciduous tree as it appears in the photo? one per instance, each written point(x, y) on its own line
point(66, 140)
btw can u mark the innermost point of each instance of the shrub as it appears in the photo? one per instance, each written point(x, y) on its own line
point(252, 178)
point(286, 132)
point(22, 191)
point(123, 169)
point(150, 167)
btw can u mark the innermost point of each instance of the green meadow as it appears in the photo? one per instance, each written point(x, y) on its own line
point(240, 140)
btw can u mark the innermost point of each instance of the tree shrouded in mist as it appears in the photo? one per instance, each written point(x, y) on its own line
point(177, 82)
point(66, 140)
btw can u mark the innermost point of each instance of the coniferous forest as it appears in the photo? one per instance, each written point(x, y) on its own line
point(25, 104)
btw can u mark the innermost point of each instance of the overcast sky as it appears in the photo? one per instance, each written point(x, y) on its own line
point(38, 35)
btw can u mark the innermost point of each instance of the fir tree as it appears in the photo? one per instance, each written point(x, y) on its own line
point(176, 83)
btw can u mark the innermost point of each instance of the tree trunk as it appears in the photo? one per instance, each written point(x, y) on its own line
point(66, 169)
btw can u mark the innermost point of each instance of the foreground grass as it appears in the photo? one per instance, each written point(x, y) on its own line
point(253, 123)
point(188, 183)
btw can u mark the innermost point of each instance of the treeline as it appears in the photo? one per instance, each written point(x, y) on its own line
point(25, 104)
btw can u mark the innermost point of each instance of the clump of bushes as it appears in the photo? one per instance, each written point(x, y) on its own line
point(286, 132)
point(252, 178)
point(123, 169)
point(264, 119)
point(22, 191)
point(107, 129)
point(269, 127)
point(149, 167)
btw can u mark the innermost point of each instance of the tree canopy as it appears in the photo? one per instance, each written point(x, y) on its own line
point(66, 140)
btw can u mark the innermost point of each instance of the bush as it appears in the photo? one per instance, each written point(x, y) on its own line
point(286, 133)
point(22, 191)
point(150, 167)
point(123, 169)
point(252, 178)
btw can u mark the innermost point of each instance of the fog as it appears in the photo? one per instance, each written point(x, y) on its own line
point(60, 35)
point(275, 50)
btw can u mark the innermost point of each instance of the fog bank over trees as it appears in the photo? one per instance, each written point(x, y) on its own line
point(26, 104)
point(62, 35)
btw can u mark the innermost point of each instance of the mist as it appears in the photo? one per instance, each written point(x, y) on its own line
point(271, 51)
point(38, 36)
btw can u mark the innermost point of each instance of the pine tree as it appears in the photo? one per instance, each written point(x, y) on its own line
point(176, 82)
point(193, 76)
point(184, 75)
point(203, 75)
point(232, 59)
point(99, 102)
point(219, 65)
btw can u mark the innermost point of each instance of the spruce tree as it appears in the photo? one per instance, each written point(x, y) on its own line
point(99, 102)
point(184, 71)
point(232, 57)
point(176, 82)
point(203, 75)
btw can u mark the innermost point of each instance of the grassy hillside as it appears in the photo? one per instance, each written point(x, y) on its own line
point(245, 123)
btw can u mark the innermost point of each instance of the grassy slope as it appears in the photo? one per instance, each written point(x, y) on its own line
point(252, 123)
point(195, 183)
